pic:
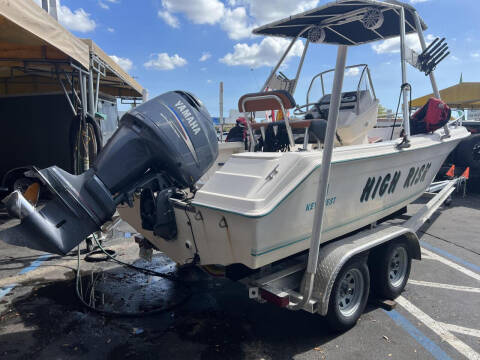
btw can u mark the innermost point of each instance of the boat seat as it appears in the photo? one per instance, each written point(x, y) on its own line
point(315, 126)
point(294, 124)
point(264, 101)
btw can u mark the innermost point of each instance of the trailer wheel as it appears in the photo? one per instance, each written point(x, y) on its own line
point(391, 270)
point(349, 295)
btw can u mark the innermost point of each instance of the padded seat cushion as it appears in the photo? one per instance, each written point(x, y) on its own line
point(251, 102)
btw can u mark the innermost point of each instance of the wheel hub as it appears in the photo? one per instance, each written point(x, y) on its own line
point(398, 266)
point(350, 292)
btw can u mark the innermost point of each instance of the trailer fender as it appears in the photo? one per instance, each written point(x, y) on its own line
point(335, 255)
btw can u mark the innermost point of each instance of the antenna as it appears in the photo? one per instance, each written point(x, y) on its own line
point(50, 6)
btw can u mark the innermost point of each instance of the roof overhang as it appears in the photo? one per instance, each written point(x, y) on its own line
point(35, 51)
point(29, 32)
point(342, 22)
point(461, 96)
point(116, 81)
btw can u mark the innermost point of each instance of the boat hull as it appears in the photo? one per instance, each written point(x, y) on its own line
point(362, 189)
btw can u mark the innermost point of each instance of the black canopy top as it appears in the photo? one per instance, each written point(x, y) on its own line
point(346, 22)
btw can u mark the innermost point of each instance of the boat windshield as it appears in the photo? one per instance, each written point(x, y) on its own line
point(357, 79)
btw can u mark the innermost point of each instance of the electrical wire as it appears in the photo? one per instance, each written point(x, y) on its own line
point(80, 294)
point(140, 269)
point(398, 106)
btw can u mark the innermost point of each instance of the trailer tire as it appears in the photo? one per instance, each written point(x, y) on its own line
point(349, 295)
point(468, 152)
point(391, 270)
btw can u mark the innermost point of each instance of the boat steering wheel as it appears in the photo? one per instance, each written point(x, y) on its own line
point(298, 109)
point(323, 112)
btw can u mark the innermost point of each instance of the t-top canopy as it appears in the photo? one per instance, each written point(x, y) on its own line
point(346, 22)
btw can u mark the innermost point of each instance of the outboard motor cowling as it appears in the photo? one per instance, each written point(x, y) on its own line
point(165, 144)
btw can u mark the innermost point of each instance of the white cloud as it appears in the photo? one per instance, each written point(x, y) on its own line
point(237, 24)
point(111, 30)
point(125, 63)
point(205, 56)
point(475, 54)
point(169, 19)
point(238, 17)
point(352, 71)
point(266, 11)
point(103, 5)
point(391, 46)
point(78, 20)
point(265, 53)
point(163, 61)
point(209, 81)
point(198, 11)
point(418, 1)
point(455, 58)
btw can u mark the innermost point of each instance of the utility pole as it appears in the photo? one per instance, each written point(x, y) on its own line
point(221, 119)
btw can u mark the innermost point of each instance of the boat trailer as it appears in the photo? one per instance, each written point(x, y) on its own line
point(282, 285)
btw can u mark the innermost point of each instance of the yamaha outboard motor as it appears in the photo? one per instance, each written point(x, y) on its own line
point(161, 146)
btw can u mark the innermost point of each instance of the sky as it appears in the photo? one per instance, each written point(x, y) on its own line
point(194, 44)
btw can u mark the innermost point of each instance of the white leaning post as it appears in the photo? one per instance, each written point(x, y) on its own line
point(405, 92)
point(433, 81)
point(324, 176)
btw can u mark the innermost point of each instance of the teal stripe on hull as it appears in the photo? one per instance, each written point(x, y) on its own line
point(264, 251)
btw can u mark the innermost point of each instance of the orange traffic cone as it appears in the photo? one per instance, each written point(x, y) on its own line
point(466, 173)
point(451, 171)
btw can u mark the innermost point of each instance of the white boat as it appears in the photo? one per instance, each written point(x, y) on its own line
point(259, 207)
point(264, 205)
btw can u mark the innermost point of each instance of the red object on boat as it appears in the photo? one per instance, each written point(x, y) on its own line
point(430, 117)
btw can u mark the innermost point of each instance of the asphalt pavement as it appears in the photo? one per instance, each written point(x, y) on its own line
point(437, 317)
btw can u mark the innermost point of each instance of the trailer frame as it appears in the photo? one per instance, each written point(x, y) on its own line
point(283, 283)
